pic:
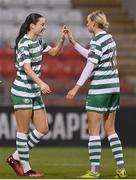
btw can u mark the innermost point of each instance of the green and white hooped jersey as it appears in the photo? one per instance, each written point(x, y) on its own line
point(28, 51)
point(104, 78)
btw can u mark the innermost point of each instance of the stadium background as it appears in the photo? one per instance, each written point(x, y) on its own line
point(67, 119)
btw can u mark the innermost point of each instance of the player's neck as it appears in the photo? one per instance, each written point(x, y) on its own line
point(98, 31)
point(31, 36)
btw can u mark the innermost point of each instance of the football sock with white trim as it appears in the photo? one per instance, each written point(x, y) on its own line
point(34, 137)
point(116, 147)
point(23, 151)
point(94, 148)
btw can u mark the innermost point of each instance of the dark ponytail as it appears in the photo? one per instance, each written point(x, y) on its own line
point(25, 27)
point(23, 30)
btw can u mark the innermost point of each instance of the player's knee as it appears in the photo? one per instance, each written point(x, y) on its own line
point(44, 130)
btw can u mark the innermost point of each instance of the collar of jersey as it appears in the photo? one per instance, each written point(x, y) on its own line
point(102, 32)
point(29, 38)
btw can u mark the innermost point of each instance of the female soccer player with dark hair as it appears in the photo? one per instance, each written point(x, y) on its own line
point(26, 91)
point(104, 92)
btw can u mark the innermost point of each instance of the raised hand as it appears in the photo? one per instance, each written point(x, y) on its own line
point(70, 36)
point(64, 33)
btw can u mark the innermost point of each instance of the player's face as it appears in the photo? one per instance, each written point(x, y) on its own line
point(39, 27)
point(90, 24)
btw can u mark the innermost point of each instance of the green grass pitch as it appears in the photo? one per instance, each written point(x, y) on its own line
point(68, 162)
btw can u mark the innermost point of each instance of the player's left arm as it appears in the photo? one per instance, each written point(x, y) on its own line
point(56, 50)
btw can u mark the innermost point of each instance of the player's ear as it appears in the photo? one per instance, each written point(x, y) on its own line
point(32, 26)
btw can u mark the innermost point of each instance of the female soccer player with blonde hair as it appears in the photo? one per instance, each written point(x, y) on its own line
point(26, 91)
point(104, 92)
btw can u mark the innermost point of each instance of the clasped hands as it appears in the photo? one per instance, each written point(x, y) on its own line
point(67, 34)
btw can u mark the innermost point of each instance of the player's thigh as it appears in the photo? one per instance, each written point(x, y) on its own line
point(40, 120)
point(23, 118)
point(94, 121)
point(40, 115)
point(23, 112)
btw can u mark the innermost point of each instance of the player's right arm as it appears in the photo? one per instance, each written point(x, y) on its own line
point(84, 76)
point(25, 63)
point(43, 86)
point(93, 59)
point(83, 51)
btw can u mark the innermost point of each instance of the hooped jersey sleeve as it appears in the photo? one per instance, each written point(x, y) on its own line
point(45, 47)
point(23, 54)
point(95, 52)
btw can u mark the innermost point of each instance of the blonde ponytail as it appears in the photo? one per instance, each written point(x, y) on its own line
point(100, 18)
